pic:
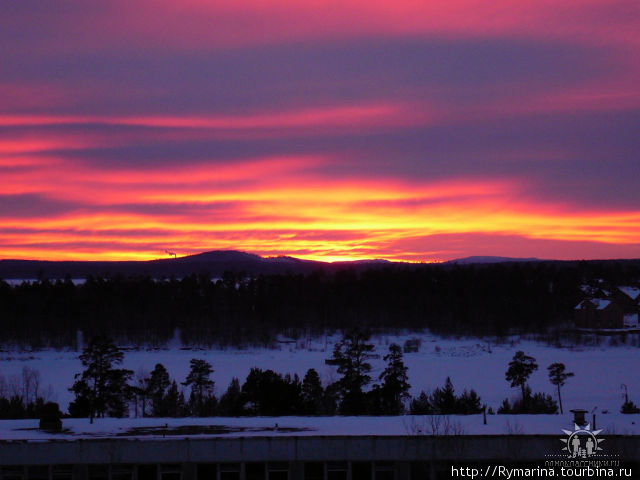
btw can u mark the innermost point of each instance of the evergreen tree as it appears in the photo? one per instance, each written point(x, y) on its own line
point(351, 356)
point(139, 393)
point(231, 402)
point(538, 403)
point(101, 388)
point(292, 394)
point(373, 402)
point(174, 404)
point(119, 393)
point(269, 393)
point(182, 410)
point(312, 393)
point(200, 400)
point(505, 407)
point(80, 407)
point(629, 407)
point(157, 386)
point(251, 391)
point(205, 408)
point(520, 369)
point(421, 405)
point(443, 400)
point(468, 403)
point(523, 297)
point(558, 376)
point(330, 399)
point(395, 387)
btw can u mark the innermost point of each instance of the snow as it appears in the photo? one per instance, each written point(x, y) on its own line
point(608, 331)
point(471, 363)
point(600, 303)
point(15, 282)
point(631, 320)
point(172, 428)
point(631, 292)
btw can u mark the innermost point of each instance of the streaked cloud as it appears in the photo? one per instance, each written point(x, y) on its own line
point(328, 130)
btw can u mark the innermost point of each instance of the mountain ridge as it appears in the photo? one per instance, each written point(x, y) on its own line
point(216, 262)
point(491, 259)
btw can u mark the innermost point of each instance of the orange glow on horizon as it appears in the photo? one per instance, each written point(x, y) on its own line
point(321, 220)
point(269, 205)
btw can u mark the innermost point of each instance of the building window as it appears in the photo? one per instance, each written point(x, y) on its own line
point(361, 471)
point(62, 472)
point(171, 472)
point(121, 472)
point(229, 471)
point(207, 471)
point(147, 472)
point(255, 471)
point(38, 473)
point(278, 471)
point(420, 470)
point(337, 471)
point(98, 472)
point(13, 473)
point(384, 471)
point(314, 471)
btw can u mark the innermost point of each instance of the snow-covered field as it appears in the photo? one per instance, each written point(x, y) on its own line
point(471, 363)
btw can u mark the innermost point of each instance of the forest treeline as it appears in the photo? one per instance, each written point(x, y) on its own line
point(235, 309)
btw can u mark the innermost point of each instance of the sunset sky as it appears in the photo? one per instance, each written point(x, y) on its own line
point(333, 130)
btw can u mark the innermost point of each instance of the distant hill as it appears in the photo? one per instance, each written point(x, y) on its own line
point(214, 263)
point(490, 259)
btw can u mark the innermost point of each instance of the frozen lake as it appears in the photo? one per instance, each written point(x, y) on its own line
point(600, 371)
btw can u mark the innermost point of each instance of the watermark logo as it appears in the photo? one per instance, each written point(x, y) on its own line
point(582, 442)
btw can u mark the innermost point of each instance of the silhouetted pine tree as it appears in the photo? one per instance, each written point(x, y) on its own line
point(531, 404)
point(520, 369)
point(201, 399)
point(312, 393)
point(629, 407)
point(468, 403)
point(443, 400)
point(558, 376)
point(101, 389)
point(395, 387)
point(330, 399)
point(231, 402)
point(174, 404)
point(351, 355)
point(157, 386)
point(421, 405)
point(269, 393)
